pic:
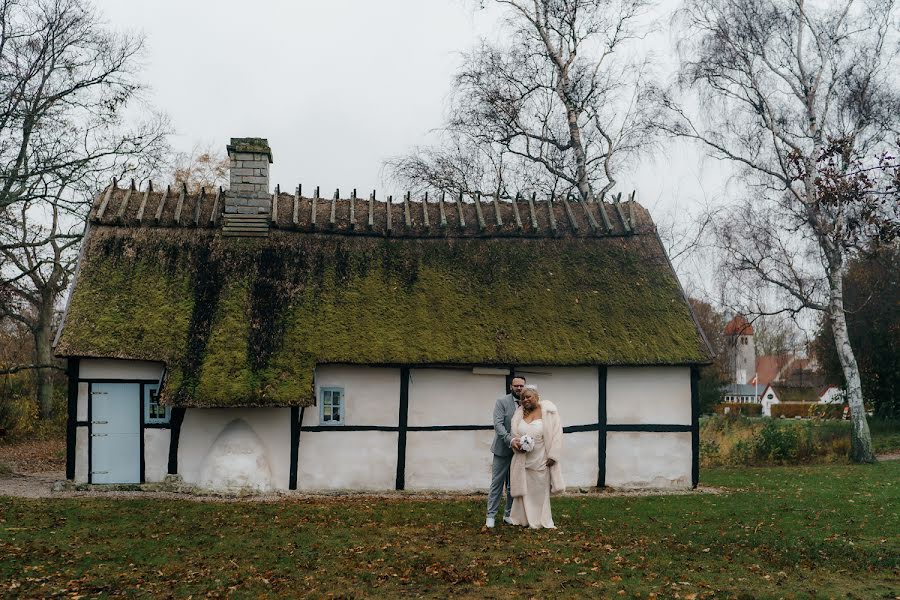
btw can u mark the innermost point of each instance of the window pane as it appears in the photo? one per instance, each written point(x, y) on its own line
point(337, 414)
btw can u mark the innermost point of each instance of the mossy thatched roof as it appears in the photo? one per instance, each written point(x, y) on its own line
point(243, 322)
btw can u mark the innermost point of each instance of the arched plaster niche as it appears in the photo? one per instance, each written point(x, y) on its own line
point(236, 460)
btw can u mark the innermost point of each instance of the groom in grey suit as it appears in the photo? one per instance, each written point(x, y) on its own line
point(502, 448)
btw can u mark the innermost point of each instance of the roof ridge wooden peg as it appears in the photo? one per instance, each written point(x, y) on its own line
point(631, 210)
point(162, 204)
point(295, 218)
point(143, 205)
point(426, 221)
point(371, 223)
point(214, 215)
point(109, 190)
point(198, 205)
point(180, 204)
point(459, 208)
point(387, 207)
point(569, 213)
point(592, 221)
point(407, 217)
point(552, 214)
point(601, 206)
point(442, 212)
point(353, 209)
point(312, 208)
point(333, 214)
point(274, 216)
point(497, 209)
point(120, 215)
point(482, 225)
point(620, 214)
point(516, 215)
point(532, 211)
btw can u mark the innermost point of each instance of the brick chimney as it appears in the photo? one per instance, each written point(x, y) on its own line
point(249, 174)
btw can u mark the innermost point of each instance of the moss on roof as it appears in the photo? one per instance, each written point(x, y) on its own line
point(243, 322)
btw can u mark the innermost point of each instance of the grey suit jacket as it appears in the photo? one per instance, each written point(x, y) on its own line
point(504, 409)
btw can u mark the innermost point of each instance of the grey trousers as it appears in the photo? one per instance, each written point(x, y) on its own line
point(499, 480)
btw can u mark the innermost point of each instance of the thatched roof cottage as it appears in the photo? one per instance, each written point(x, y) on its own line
point(240, 338)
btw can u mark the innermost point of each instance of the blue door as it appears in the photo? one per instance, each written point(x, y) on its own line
point(115, 433)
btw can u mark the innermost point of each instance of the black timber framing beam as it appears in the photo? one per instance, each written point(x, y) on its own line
point(601, 429)
point(71, 417)
point(401, 433)
point(296, 420)
point(177, 420)
point(695, 426)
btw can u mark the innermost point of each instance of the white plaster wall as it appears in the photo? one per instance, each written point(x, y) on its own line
point(156, 454)
point(102, 368)
point(574, 390)
point(648, 460)
point(448, 460)
point(81, 408)
point(453, 397)
point(202, 426)
point(644, 395)
point(352, 460)
point(579, 459)
point(371, 394)
point(81, 454)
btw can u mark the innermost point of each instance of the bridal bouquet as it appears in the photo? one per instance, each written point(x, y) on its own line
point(526, 443)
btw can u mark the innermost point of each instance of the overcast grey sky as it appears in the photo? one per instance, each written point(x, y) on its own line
point(339, 86)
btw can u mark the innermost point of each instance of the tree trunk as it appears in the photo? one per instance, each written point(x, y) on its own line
point(860, 438)
point(43, 340)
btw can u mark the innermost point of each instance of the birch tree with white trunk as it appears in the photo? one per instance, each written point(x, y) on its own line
point(802, 97)
point(556, 106)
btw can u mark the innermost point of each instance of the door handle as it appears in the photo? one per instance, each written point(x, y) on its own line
point(99, 472)
point(98, 435)
point(100, 422)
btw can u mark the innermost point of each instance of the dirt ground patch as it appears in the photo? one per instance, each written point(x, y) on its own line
point(34, 456)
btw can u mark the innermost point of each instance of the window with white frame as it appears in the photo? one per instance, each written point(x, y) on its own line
point(154, 412)
point(331, 406)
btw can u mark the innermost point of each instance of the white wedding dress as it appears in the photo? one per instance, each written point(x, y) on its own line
point(533, 509)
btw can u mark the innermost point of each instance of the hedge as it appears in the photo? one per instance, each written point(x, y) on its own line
point(736, 408)
point(790, 410)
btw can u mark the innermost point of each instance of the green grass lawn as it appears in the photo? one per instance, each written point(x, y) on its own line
point(792, 532)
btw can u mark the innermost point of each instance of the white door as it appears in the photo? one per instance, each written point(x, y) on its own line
point(115, 433)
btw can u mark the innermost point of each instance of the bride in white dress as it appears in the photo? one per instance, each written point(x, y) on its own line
point(534, 474)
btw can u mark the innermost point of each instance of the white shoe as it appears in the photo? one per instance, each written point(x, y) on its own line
point(508, 521)
point(489, 523)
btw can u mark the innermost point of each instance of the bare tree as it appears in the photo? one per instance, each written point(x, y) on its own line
point(555, 109)
point(800, 95)
point(203, 166)
point(41, 263)
point(66, 85)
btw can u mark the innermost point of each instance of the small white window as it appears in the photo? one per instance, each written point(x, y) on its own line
point(331, 407)
point(154, 412)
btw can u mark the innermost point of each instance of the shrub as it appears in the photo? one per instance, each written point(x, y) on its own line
point(790, 410)
point(750, 410)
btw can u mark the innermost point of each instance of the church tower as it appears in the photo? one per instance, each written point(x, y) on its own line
point(741, 349)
